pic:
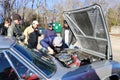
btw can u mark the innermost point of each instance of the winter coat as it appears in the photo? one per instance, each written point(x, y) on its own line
point(14, 30)
point(49, 33)
point(3, 31)
point(48, 42)
point(31, 36)
point(72, 39)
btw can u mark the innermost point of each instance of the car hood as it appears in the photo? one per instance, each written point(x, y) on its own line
point(89, 27)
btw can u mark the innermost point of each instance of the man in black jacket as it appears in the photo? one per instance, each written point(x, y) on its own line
point(4, 28)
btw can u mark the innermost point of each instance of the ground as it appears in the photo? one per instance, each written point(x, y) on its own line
point(115, 42)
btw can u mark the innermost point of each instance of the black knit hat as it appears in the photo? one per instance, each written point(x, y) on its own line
point(65, 22)
point(16, 17)
point(50, 24)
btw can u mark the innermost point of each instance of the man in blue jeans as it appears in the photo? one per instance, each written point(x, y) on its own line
point(53, 44)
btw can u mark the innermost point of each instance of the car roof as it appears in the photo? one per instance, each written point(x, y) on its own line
point(6, 42)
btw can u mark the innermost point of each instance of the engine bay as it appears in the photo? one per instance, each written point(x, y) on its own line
point(75, 58)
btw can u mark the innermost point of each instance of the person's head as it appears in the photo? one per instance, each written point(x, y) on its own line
point(16, 18)
point(50, 26)
point(35, 24)
point(65, 24)
point(57, 43)
point(7, 22)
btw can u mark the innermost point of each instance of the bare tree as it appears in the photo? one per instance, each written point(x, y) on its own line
point(38, 8)
point(11, 6)
point(24, 2)
point(32, 5)
point(104, 3)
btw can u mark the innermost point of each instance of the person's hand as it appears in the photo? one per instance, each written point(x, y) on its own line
point(50, 50)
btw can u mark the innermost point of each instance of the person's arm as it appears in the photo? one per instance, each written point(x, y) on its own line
point(10, 31)
point(25, 33)
point(61, 33)
point(45, 43)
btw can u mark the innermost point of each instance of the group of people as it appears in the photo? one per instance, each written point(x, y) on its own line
point(12, 28)
point(51, 41)
point(54, 43)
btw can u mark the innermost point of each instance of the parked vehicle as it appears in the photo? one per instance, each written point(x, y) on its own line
point(91, 60)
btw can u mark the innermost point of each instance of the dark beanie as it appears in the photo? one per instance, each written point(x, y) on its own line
point(16, 17)
point(50, 24)
point(65, 22)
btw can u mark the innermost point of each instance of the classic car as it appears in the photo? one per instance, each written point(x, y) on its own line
point(91, 60)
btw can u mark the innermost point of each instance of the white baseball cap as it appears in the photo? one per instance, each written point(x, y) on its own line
point(35, 22)
point(57, 41)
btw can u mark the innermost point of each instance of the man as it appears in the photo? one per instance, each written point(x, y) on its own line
point(49, 32)
point(31, 35)
point(67, 34)
point(4, 28)
point(53, 44)
point(14, 30)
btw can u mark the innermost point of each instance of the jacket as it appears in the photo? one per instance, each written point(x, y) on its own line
point(49, 33)
point(48, 42)
point(3, 31)
point(72, 39)
point(31, 36)
point(14, 30)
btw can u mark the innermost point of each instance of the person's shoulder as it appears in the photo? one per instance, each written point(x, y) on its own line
point(12, 25)
point(46, 29)
point(28, 27)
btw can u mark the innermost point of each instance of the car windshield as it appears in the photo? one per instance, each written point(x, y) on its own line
point(43, 62)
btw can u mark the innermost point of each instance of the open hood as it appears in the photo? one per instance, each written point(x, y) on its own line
point(89, 27)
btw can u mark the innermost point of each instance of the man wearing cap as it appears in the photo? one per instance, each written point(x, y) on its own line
point(14, 29)
point(50, 31)
point(53, 44)
point(31, 35)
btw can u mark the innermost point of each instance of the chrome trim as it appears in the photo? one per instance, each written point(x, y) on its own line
point(74, 24)
point(7, 57)
point(109, 49)
point(28, 64)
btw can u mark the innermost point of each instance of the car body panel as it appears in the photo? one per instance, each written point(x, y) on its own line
point(89, 27)
point(8, 41)
point(94, 71)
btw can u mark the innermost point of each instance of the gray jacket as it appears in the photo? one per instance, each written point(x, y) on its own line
point(72, 39)
point(14, 30)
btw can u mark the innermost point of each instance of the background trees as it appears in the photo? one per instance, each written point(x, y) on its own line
point(46, 11)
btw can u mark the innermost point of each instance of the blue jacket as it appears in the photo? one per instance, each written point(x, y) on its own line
point(49, 33)
point(48, 42)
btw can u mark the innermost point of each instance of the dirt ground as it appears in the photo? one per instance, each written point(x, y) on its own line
point(115, 42)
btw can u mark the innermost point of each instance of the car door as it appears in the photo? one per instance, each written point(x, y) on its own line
point(6, 71)
point(18, 71)
point(89, 27)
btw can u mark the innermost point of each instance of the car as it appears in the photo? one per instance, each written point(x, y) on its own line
point(90, 60)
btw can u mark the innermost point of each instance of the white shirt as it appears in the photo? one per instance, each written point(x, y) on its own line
point(66, 36)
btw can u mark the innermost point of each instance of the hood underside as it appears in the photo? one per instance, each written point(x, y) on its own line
point(89, 27)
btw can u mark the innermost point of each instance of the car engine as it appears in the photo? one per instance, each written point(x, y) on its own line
point(72, 58)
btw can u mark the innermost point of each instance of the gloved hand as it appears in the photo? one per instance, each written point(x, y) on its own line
point(50, 50)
